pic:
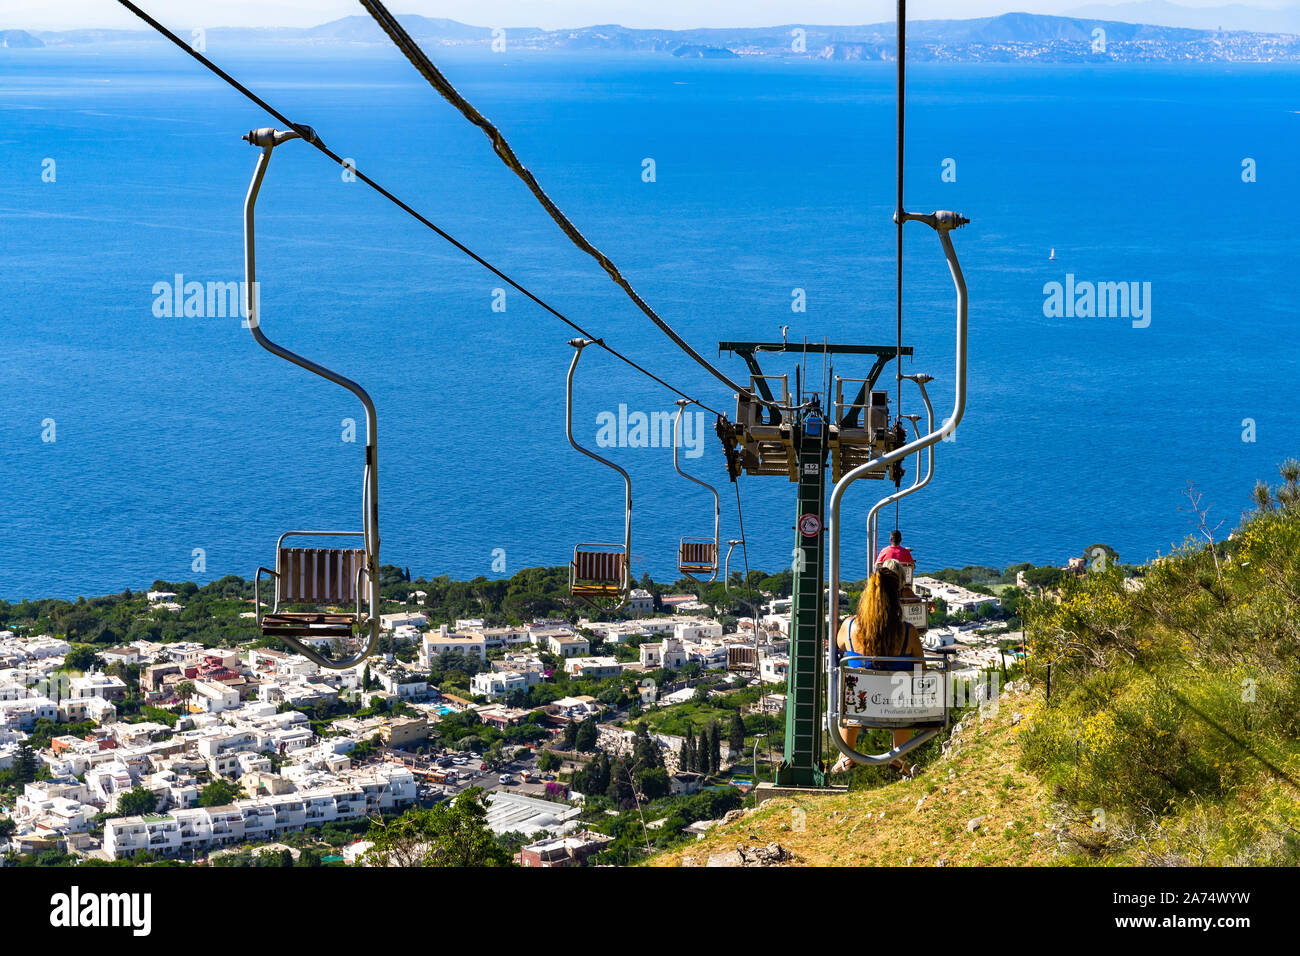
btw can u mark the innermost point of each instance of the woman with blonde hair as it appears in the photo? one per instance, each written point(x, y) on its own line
point(878, 630)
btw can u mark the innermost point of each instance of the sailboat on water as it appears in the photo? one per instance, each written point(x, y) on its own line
point(1052, 257)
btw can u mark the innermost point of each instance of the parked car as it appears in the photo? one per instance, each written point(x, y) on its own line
point(505, 779)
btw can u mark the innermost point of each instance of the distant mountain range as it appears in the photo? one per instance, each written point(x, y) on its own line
point(1011, 36)
point(1233, 16)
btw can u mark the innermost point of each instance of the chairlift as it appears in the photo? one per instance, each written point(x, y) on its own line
point(599, 572)
point(740, 658)
point(326, 578)
point(893, 693)
point(697, 556)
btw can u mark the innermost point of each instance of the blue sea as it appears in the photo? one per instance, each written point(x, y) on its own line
point(173, 434)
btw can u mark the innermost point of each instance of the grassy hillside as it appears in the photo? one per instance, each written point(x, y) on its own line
point(1159, 724)
point(975, 807)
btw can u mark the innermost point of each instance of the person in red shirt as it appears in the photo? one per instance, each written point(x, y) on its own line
point(895, 550)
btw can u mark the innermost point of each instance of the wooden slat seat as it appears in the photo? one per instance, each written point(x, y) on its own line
point(698, 556)
point(318, 575)
point(599, 569)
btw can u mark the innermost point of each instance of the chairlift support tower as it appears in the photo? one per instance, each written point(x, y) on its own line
point(799, 440)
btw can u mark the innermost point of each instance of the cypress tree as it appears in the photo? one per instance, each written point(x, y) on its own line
point(736, 734)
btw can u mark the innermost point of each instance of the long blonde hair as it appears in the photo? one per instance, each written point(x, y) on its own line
point(878, 629)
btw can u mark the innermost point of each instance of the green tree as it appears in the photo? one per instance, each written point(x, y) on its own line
point(736, 733)
point(587, 736)
point(450, 835)
point(26, 764)
point(219, 793)
point(571, 735)
point(1098, 557)
point(548, 762)
point(701, 693)
point(653, 783)
point(137, 802)
point(620, 790)
point(82, 657)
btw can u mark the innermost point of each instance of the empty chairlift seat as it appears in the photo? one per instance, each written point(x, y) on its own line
point(598, 571)
point(320, 576)
point(697, 556)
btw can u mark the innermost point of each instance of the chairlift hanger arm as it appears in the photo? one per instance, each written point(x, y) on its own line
point(943, 223)
point(717, 501)
point(578, 345)
point(268, 139)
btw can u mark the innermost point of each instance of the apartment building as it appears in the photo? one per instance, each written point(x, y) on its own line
point(388, 788)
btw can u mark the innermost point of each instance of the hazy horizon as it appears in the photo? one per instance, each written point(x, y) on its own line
point(562, 14)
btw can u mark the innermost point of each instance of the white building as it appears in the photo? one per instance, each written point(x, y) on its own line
point(98, 709)
point(213, 697)
point(774, 668)
point(666, 653)
point(390, 622)
point(103, 686)
point(593, 668)
point(699, 629)
point(567, 645)
point(640, 601)
point(405, 685)
point(497, 684)
point(501, 636)
point(384, 789)
point(444, 641)
point(24, 713)
point(955, 597)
